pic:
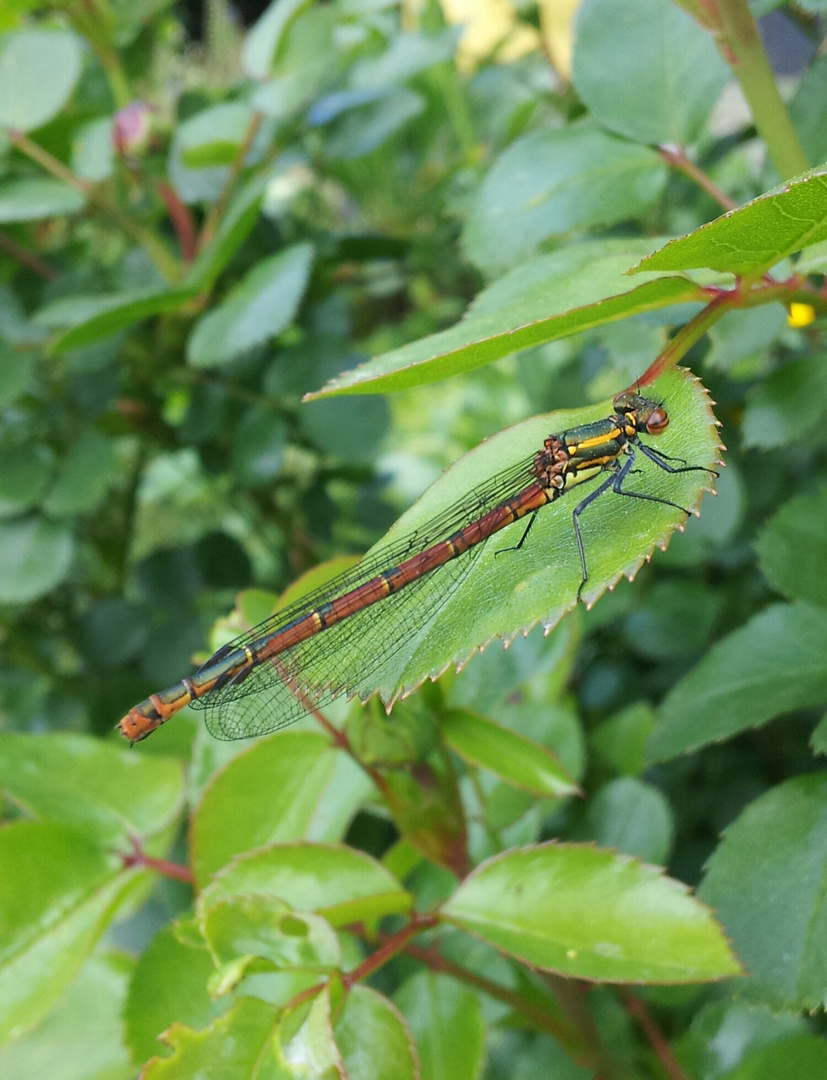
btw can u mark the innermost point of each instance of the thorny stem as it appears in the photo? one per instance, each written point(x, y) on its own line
point(571, 994)
point(657, 1040)
point(391, 945)
point(219, 207)
point(138, 857)
point(533, 1012)
point(675, 156)
point(181, 219)
point(722, 301)
point(340, 740)
point(741, 44)
point(165, 263)
point(27, 258)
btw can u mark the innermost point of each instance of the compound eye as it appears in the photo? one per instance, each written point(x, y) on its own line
point(657, 422)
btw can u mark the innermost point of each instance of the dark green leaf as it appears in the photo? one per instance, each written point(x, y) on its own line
point(766, 882)
point(771, 665)
point(57, 894)
point(35, 556)
point(82, 1038)
point(260, 307)
point(632, 817)
point(102, 790)
point(85, 474)
point(801, 1057)
point(24, 473)
point(39, 68)
point(756, 236)
point(723, 1031)
point(591, 914)
point(515, 759)
point(552, 182)
point(38, 197)
point(550, 297)
point(258, 447)
point(446, 1021)
point(234, 228)
point(363, 130)
point(16, 371)
point(675, 619)
point(786, 406)
point(666, 72)
point(94, 317)
point(340, 883)
point(620, 741)
point(792, 548)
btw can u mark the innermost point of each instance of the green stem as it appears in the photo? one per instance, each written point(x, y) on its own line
point(164, 261)
point(742, 45)
point(571, 994)
point(220, 205)
point(536, 1014)
point(675, 157)
point(95, 23)
point(689, 334)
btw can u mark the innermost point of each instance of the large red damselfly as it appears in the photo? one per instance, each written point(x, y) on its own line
point(261, 681)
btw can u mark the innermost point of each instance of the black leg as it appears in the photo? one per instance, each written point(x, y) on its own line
point(661, 460)
point(517, 546)
point(618, 475)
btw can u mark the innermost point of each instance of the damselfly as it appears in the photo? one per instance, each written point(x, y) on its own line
point(263, 679)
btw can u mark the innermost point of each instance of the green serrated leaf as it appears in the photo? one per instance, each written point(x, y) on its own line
point(547, 298)
point(515, 759)
point(792, 548)
point(241, 1040)
point(102, 790)
point(262, 926)
point(338, 882)
point(552, 182)
point(591, 914)
point(666, 72)
point(447, 1024)
point(465, 605)
point(632, 817)
point(57, 893)
point(270, 792)
point(800, 1057)
point(91, 318)
point(756, 236)
point(169, 985)
point(260, 307)
point(771, 665)
point(373, 1038)
point(766, 882)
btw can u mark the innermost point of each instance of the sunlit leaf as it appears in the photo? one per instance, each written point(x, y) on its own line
point(546, 298)
point(591, 914)
point(756, 236)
